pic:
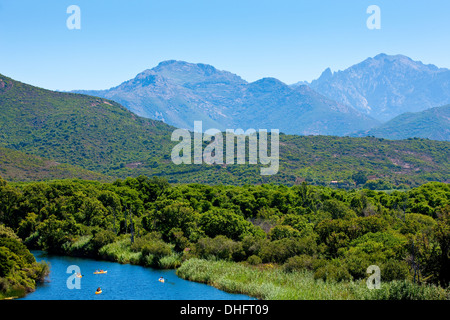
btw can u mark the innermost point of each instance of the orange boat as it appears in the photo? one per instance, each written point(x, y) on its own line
point(100, 272)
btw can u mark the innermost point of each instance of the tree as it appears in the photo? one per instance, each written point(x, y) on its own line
point(54, 233)
point(359, 177)
point(93, 212)
point(173, 214)
point(442, 234)
point(220, 247)
point(111, 201)
point(225, 222)
point(338, 209)
point(9, 203)
point(282, 231)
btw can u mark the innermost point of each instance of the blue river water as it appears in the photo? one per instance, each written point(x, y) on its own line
point(121, 282)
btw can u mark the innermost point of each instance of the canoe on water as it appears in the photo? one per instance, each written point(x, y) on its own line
point(100, 272)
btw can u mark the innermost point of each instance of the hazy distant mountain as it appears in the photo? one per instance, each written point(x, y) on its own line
point(387, 86)
point(269, 103)
point(180, 93)
point(433, 124)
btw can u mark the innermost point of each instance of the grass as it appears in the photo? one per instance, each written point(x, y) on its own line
point(120, 251)
point(272, 283)
point(170, 262)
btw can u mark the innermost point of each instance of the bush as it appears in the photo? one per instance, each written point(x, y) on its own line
point(394, 270)
point(252, 245)
point(298, 263)
point(102, 238)
point(220, 247)
point(140, 242)
point(176, 237)
point(332, 272)
point(152, 252)
point(279, 251)
point(406, 290)
point(254, 260)
point(283, 231)
point(6, 261)
point(378, 184)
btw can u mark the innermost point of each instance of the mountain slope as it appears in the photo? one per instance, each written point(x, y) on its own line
point(94, 133)
point(269, 103)
point(432, 123)
point(386, 86)
point(180, 93)
point(19, 166)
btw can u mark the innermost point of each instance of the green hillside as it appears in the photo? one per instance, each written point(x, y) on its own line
point(102, 136)
point(19, 166)
point(432, 123)
point(94, 133)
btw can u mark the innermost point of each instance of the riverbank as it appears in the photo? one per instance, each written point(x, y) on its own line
point(263, 281)
point(271, 283)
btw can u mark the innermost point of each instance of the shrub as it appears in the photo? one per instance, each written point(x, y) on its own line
point(6, 261)
point(252, 245)
point(300, 262)
point(220, 247)
point(254, 260)
point(332, 272)
point(140, 242)
point(282, 231)
point(406, 290)
point(394, 270)
point(152, 252)
point(279, 251)
point(176, 237)
point(102, 238)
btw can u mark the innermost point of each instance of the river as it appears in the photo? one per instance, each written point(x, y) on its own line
point(121, 282)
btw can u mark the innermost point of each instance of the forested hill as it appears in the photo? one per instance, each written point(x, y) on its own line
point(102, 136)
point(94, 133)
point(433, 123)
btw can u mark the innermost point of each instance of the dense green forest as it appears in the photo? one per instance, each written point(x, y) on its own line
point(331, 234)
point(99, 139)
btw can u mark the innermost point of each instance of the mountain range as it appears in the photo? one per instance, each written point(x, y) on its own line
point(180, 93)
point(47, 134)
point(361, 98)
point(386, 86)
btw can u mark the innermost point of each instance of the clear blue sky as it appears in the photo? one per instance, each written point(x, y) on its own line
point(291, 40)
